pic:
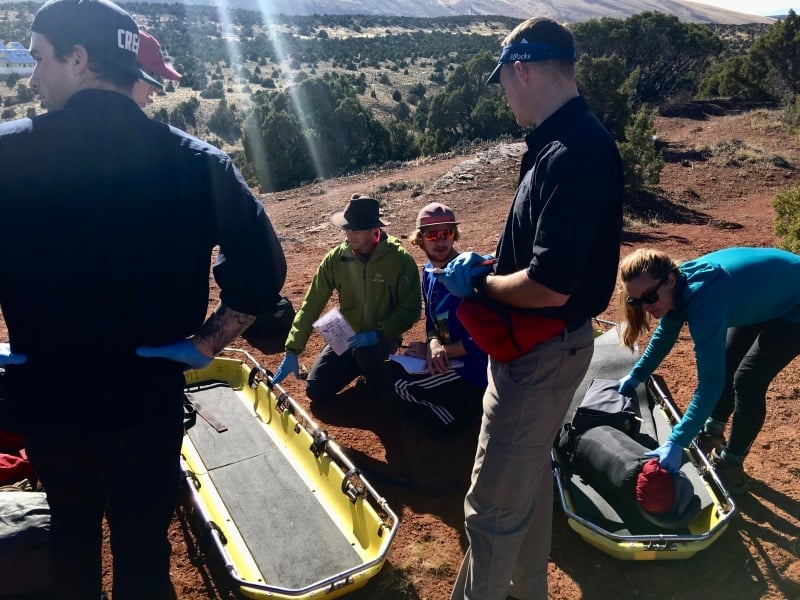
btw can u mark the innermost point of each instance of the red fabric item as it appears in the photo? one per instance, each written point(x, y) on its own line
point(655, 489)
point(502, 332)
point(14, 468)
point(10, 441)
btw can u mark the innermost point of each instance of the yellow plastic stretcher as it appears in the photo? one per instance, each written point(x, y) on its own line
point(596, 518)
point(282, 505)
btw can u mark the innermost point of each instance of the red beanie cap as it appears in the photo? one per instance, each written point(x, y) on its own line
point(655, 489)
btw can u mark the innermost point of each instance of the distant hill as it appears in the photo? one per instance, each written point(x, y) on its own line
point(569, 11)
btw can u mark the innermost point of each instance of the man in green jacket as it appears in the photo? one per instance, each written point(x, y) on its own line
point(377, 282)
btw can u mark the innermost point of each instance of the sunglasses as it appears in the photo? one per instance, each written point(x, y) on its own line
point(442, 234)
point(649, 297)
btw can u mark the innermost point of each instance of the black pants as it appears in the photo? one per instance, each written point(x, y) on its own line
point(754, 355)
point(446, 402)
point(330, 372)
point(132, 477)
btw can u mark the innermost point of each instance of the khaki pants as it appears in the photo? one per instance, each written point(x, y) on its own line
point(509, 506)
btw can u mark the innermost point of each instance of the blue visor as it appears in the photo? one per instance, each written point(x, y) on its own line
point(525, 52)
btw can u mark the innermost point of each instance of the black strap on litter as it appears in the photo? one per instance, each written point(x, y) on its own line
point(189, 413)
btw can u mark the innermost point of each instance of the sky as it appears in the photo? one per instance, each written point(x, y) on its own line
point(756, 7)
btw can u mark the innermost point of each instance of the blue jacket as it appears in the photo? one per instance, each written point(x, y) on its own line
point(729, 288)
point(440, 316)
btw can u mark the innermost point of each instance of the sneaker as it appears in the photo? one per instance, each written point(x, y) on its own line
point(709, 441)
point(731, 475)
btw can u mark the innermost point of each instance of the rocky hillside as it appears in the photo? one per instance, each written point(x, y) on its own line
point(562, 10)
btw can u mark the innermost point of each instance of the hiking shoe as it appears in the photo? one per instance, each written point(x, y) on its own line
point(708, 442)
point(731, 475)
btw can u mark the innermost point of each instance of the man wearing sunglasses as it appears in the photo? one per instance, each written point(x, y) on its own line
point(444, 397)
point(742, 306)
point(377, 283)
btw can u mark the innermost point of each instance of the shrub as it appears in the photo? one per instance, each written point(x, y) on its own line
point(791, 114)
point(787, 219)
point(641, 160)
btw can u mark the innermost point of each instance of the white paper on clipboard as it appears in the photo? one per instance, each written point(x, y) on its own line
point(335, 330)
point(416, 366)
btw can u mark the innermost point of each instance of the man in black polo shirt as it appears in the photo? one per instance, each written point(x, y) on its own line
point(557, 257)
point(108, 220)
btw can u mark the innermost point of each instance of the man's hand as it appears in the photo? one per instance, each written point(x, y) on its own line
point(360, 340)
point(668, 455)
point(182, 351)
point(10, 358)
point(288, 365)
point(461, 272)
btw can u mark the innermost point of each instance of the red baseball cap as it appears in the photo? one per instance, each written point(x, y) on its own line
point(151, 58)
point(435, 214)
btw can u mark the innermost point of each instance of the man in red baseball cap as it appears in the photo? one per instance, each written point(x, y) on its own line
point(151, 60)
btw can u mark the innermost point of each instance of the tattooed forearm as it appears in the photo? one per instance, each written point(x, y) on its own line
point(221, 328)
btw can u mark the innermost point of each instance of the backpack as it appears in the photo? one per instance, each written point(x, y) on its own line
point(602, 405)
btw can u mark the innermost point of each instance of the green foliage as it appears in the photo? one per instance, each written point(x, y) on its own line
point(317, 128)
point(12, 79)
point(791, 114)
point(738, 77)
point(401, 112)
point(184, 115)
point(213, 91)
point(668, 54)
point(223, 123)
point(402, 143)
point(275, 146)
point(642, 163)
point(787, 219)
point(768, 71)
point(604, 83)
point(778, 50)
point(466, 109)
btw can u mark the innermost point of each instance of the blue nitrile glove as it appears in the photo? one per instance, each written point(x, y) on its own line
point(359, 340)
point(182, 351)
point(628, 382)
point(288, 365)
point(461, 272)
point(7, 357)
point(669, 456)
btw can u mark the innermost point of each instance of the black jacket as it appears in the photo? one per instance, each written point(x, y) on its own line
point(108, 220)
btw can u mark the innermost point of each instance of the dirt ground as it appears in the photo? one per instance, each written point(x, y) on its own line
point(723, 167)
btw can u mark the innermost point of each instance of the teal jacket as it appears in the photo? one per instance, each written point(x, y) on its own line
point(728, 288)
point(382, 294)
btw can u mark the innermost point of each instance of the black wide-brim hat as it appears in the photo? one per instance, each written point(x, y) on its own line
point(360, 213)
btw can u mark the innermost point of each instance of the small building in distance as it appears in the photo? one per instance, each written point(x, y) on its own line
point(15, 58)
